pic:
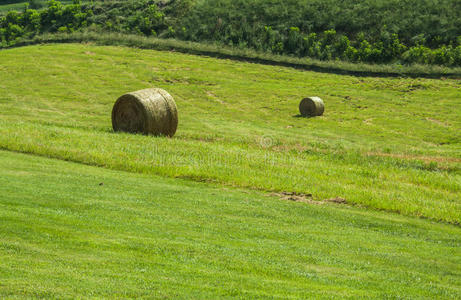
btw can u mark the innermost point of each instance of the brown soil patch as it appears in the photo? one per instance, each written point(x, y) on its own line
point(296, 197)
point(307, 198)
point(337, 200)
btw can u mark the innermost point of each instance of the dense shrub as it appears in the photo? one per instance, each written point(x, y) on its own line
point(372, 31)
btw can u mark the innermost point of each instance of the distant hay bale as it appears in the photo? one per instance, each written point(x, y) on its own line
point(149, 111)
point(311, 107)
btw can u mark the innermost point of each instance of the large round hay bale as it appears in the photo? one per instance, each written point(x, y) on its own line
point(149, 111)
point(311, 107)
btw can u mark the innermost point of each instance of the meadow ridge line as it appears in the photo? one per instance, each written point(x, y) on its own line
point(281, 195)
point(172, 45)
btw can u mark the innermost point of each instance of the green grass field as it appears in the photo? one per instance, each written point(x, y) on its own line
point(64, 235)
point(391, 144)
point(86, 212)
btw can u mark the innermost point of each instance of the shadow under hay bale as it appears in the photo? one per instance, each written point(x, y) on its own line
point(149, 111)
point(311, 107)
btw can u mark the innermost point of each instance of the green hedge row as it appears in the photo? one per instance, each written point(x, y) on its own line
point(256, 24)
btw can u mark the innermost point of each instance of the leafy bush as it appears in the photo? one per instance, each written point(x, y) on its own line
point(424, 31)
point(35, 4)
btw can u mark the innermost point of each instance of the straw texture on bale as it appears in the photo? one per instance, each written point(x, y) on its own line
point(149, 111)
point(311, 107)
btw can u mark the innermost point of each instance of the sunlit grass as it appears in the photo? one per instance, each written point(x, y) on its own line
point(73, 231)
point(384, 143)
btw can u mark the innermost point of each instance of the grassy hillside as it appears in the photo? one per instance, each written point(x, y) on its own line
point(72, 231)
point(391, 144)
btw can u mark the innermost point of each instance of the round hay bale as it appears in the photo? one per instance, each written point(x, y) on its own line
point(311, 107)
point(149, 111)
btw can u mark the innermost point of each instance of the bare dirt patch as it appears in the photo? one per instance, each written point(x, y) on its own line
point(337, 200)
point(296, 197)
point(307, 198)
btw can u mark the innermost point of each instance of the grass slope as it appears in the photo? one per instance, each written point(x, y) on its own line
point(64, 235)
point(390, 143)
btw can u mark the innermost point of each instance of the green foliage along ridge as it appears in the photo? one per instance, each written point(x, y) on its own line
point(424, 32)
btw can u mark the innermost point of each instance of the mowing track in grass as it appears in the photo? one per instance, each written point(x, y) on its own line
point(72, 231)
point(383, 143)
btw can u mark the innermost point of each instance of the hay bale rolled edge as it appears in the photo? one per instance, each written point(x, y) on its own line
point(149, 111)
point(311, 107)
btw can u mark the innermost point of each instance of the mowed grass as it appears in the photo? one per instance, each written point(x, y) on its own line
point(71, 231)
point(383, 143)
